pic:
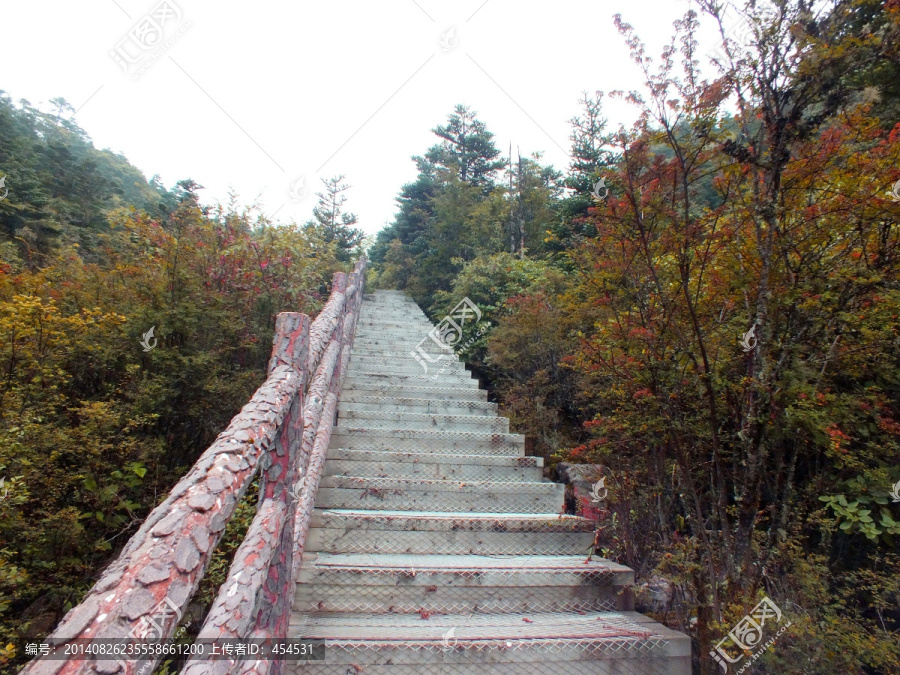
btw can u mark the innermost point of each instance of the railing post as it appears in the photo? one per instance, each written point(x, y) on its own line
point(269, 538)
point(276, 483)
point(329, 392)
point(290, 346)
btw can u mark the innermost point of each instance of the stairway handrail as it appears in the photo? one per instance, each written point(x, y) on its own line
point(284, 429)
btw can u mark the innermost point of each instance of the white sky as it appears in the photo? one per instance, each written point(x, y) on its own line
point(253, 96)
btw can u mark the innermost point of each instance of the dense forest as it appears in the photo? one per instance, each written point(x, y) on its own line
point(134, 323)
point(706, 304)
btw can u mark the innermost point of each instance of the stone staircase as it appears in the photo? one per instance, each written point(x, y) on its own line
point(437, 547)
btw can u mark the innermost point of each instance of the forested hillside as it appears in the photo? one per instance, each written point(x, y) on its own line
point(134, 323)
point(716, 322)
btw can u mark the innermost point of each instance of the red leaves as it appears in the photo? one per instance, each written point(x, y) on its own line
point(889, 426)
point(639, 332)
point(577, 454)
point(838, 438)
point(424, 613)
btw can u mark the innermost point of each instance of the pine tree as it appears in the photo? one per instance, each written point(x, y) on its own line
point(335, 223)
point(467, 148)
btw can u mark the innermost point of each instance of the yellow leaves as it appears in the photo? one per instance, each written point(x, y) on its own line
point(8, 651)
point(35, 339)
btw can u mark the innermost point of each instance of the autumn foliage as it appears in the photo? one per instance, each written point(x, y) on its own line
point(719, 327)
point(98, 419)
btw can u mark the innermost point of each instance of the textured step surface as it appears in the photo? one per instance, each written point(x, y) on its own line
point(425, 421)
point(424, 390)
point(459, 584)
point(589, 643)
point(437, 547)
point(451, 533)
point(431, 466)
point(416, 405)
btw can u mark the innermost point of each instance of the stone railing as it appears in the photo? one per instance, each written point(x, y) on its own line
point(282, 433)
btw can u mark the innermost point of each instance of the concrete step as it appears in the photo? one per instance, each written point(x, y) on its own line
point(398, 320)
point(410, 332)
point(589, 643)
point(446, 370)
point(390, 317)
point(404, 364)
point(404, 346)
point(448, 442)
point(414, 457)
point(459, 584)
point(391, 309)
point(400, 494)
point(390, 353)
point(356, 377)
point(404, 420)
point(378, 308)
point(401, 340)
point(449, 533)
point(402, 351)
point(357, 390)
point(432, 466)
point(375, 315)
point(417, 405)
point(414, 332)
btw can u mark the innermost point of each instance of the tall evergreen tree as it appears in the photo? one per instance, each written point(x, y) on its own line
point(588, 154)
point(467, 148)
point(335, 223)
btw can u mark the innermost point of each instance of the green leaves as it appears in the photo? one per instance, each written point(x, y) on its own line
point(854, 517)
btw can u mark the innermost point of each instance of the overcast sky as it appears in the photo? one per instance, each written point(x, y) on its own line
point(269, 97)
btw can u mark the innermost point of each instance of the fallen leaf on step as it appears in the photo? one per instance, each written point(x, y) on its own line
point(526, 620)
point(424, 613)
